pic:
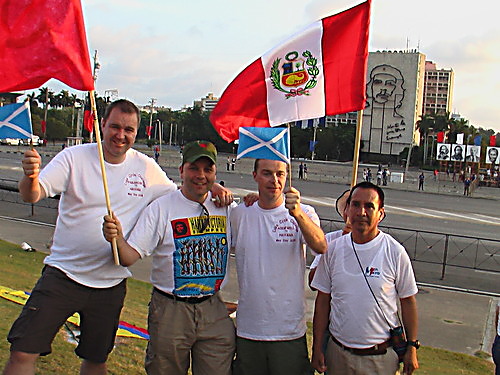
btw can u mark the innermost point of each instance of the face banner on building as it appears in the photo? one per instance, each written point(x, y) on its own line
point(492, 155)
point(443, 151)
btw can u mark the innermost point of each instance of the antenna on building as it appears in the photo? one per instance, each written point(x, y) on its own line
point(407, 44)
point(418, 46)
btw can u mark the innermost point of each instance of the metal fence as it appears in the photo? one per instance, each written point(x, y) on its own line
point(443, 249)
point(440, 249)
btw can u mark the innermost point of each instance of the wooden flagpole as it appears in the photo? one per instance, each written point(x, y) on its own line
point(357, 143)
point(103, 169)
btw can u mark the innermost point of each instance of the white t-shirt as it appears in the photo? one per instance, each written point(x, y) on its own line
point(79, 248)
point(355, 318)
point(270, 260)
point(330, 237)
point(187, 261)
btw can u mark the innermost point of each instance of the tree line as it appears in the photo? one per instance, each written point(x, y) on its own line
point(182, 126)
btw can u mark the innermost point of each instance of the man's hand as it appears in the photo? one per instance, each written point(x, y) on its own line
point(318, 361)
point(250, 199)
point(112, 228)
point(223, 197)
point(292, 201)
point(31, 163)
point(410, 362)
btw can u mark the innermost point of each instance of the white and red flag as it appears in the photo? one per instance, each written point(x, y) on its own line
point(318, 71)
point(40, 40)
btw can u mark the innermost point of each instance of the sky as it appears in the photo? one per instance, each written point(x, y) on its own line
point(178, 51)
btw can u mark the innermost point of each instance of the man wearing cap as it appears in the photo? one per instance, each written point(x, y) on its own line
point(359, 281)
point(187, 236)
point(269, 240)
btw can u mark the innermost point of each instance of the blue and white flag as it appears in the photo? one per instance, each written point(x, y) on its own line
point(264, 143)
point(15, 121)
point(311, 123)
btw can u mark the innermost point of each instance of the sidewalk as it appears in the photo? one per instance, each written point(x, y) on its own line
point(449, 320)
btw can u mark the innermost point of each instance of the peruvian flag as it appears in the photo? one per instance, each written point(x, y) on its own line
point(319, 71)
point(43, 39)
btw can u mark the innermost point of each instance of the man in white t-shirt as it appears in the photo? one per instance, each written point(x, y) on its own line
point(80, 261)
point(269, 240)
point(187, 235)
point(359, 325)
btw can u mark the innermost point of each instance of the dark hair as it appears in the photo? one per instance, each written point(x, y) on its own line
point(368, 185)
point(256, 165)
point(124, 105)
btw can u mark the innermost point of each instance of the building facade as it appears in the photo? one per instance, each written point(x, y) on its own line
point(394, 91)
point(207, 103)
point(438, 90)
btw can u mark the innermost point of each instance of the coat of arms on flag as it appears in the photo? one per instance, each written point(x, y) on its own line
point(15, 121)
point(264, 143)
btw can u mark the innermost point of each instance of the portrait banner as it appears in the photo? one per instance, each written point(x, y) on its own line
point(492, 155)
point(443, 151)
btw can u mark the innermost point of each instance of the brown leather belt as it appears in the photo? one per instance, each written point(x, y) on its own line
point(374, 350)
point(192, 300)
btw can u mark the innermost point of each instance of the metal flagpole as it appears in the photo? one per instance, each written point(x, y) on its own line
point(357, 143)
point(103, 169)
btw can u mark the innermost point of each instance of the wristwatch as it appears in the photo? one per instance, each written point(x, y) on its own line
point(415, 343)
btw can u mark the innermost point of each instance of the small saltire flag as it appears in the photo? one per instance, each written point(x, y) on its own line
point(460, 138)
point(264, 143)
point(440, 137)
point(477, 140)
point(318, 71)
point(493, 140)
point(43, 39)
point(15, 121)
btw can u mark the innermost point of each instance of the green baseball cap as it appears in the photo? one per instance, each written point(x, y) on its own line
point(198, 149)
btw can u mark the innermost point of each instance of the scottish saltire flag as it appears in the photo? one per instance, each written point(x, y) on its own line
point(319, 71)
point(15, 121)
point(311, 123)
point(264, 143)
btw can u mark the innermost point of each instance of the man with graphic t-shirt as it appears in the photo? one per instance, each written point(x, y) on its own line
point(80, 274)
point(187, 236)
point(359, 321)
point(269, 240)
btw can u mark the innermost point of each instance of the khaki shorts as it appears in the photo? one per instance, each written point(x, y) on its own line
point(182, 334)
point(53, 300)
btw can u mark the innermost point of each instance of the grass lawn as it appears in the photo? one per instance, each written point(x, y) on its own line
point(20, 269)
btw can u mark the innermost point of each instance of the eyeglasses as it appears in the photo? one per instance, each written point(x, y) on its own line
point(204, 219)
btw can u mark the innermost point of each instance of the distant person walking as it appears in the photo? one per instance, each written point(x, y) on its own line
point(421, 180)
point(467, 182)
point(301, 171)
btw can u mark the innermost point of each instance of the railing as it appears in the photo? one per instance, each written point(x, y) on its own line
point(442, 249)
point(439, 249)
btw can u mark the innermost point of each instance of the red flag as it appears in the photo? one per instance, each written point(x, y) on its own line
point(43, 39)
point(319, 71)
point(440, 137)
point(44, 126)
point(493, 140)
point(149, 128)
point(88, 118)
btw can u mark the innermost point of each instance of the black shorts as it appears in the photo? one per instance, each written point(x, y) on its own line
point(53, 300)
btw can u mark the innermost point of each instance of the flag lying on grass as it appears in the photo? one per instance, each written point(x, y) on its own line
point(43, 39)
point(319, 71)
point(264, 143)
point(15, 121)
